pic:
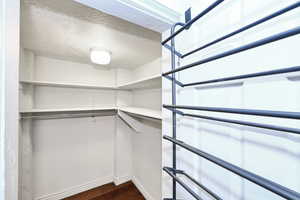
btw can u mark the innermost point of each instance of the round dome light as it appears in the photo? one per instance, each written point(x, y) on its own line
point(102, 57)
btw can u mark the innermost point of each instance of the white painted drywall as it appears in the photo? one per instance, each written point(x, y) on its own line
point(123, 152)
point(147, 146)
point(9, 136)
point(51, 97)
point(78, 152)
point(148, 98)
point(146, 156)
point(123, 76)
point(2, 104)
point(149, 69)
point(54, 70)
point(274, 155)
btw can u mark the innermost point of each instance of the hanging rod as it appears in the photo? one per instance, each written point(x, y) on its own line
point(258, 74)
point(188, 24)
point(265, 183)
point(62, 116)
point(178, 180)
point(245, 123)
point(240, 49)
point(265, 113)
point(253, 24)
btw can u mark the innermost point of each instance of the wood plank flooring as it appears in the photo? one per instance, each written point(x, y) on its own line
point(126, 191)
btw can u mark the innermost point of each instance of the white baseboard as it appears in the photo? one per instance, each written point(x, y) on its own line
point(122, 179)
point(142, 189)
point(76, 189)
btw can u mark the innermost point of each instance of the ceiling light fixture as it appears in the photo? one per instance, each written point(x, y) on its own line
point(100, 56)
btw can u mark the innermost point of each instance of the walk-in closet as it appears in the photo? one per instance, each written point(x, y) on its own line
point(85, 124)
point(149, 100)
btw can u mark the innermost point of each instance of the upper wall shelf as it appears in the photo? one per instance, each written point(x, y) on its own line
point(67, 85)
point(149, 82)
point(145, 83)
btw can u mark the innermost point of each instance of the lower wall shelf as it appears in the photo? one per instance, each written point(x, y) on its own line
point(62, 110)
point(145, 112)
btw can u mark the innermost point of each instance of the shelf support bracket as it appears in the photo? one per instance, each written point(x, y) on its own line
point(136, 125)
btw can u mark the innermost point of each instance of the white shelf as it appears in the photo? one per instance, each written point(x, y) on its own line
point(133, 110)
point(67, 85)
point(41, 111)
point(145, 83)
point(149, 82)
point(142, 111)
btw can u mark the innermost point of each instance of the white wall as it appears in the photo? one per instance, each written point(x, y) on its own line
point(149, 98)
point(123, 76)
point(51, 97)
point(53, 70)
point(271, 154)
point(146, 155)
point(147, 144)
point(126, 75)
point(9, 138)
point(123, 152)
point(147, 147)
point(72, 155)
point(2, 105)
point(149, 69)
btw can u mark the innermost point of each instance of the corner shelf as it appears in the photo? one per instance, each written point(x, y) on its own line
point(145, 112)
point(67, 85)
point(156, 114)
point(145, 83)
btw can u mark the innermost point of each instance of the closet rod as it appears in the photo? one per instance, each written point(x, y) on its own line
point(244, 123)
point(264, 113)
point(253, 24)
point(61, 116)
point(265, 183)
point(258, 43)
point(188, 24)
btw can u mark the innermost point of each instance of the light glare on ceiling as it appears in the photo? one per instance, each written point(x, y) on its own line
point(102, 57)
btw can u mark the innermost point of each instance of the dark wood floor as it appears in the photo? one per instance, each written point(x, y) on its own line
point(126, 191)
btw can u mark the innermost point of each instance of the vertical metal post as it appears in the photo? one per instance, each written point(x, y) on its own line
point(173, 64)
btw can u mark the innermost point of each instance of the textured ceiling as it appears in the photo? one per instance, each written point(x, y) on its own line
point(67, 30)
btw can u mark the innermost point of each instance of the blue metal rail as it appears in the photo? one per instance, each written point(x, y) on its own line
point(265, 183)
point(251, 25)
point(177, 109)
point(252, 45)
point(204, 12)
